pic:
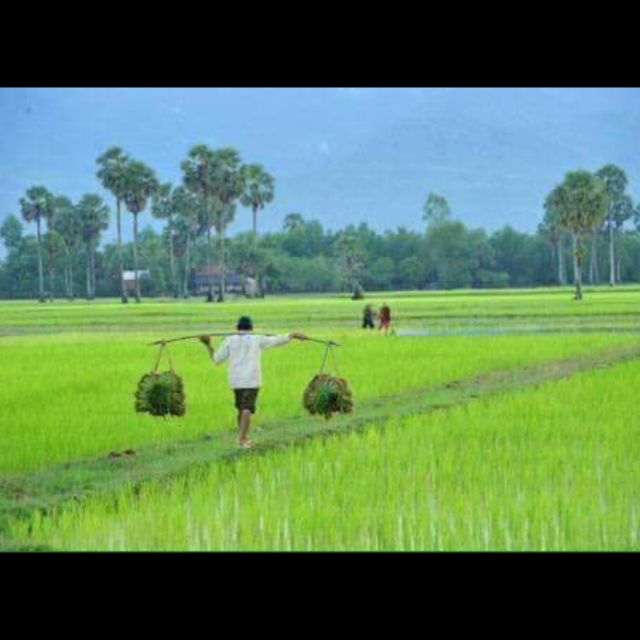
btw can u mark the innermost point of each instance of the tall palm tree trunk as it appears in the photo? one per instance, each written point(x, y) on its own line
point(93, 271)
point(562, 263)
point(174, 279)
point(612, 266)
point(89, 270)
point(593, 262)
point(256, 273)
point(221, 265)
point(577, 266)
point(618, 260)
point(123, 293)
point(185, 289)
point(40, 274)
point(71, 288)
point(67, 277)
point(52, 270)
point(209, 274)
point(135, 255)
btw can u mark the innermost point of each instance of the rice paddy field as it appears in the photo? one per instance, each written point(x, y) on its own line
point(491, 421)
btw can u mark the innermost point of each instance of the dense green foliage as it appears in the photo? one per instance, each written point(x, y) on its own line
point(311, 259)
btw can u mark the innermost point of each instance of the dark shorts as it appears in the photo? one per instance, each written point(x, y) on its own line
point(246, 399)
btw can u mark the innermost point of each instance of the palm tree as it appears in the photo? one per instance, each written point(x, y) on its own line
point(162, 208)
point(215, 176)
point(619, 210)
point(581, 202)
point(140, 184)
point(199, 168)
point(113, 166)
point(206, 218)
point(258, 189)
point(223, 216)
point(52, 239)
point(69, 232)
point(622, 211)
point(35, 207)
point(555, 231)
point(228, 188)
point(594, 271)
point(186, 206)
point(94, 218)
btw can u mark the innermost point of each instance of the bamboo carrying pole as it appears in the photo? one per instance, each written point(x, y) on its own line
point(270, 335)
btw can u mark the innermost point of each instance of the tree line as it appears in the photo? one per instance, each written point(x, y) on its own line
point(214, 182)
point(586, 220)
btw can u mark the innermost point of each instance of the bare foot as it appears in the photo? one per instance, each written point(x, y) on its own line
point(246, 444)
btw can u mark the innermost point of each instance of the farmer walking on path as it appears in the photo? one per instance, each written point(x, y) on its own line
point(244, 352)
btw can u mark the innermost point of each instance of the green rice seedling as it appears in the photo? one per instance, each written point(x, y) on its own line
point(68, 369)
point(326, 395)
point(160, 394)
point(551, 468)
point(66, 396)
point(550, 309)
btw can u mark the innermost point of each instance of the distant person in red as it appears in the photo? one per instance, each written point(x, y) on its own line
point(385, 318)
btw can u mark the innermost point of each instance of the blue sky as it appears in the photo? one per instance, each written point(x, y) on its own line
point(343, 155)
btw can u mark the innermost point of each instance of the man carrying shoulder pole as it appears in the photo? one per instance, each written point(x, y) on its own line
point(244, 351)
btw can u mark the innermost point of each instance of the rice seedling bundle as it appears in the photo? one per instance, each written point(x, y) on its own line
point(161, 393)
point(326, 395)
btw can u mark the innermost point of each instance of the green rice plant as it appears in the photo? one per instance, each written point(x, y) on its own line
point(64, 393)
point(546, 469)
point(65, 396)
point(552, 308)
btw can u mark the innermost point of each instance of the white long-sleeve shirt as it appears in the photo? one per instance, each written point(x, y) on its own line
point(244, 353)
